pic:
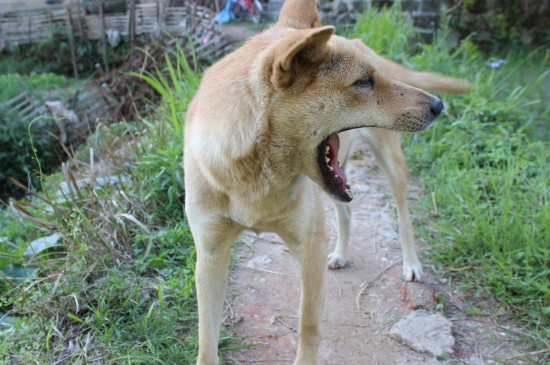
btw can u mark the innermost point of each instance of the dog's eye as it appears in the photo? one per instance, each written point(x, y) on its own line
point(364, 82)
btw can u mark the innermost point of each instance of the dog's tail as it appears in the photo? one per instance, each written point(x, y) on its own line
point(422, 80)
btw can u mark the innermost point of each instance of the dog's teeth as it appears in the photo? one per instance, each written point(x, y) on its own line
point(327, 160)
point(331, 168)
point(335, 175)
point(327, 149)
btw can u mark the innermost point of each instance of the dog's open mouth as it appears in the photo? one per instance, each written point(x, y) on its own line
point(333, 175)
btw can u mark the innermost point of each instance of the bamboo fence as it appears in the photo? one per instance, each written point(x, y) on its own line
point(37, 25)
point(192, 26)
point(92, 104)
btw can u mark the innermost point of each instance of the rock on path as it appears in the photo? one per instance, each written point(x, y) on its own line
point(423, 332)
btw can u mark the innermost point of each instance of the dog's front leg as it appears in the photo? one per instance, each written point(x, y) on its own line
point(337, 259)
point(306, 238)
point(313, 270)
point(213, 240)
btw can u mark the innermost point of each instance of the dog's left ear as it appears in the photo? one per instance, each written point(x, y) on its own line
point(299, 14)
point(298, 53)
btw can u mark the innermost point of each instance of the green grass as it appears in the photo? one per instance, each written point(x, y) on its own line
point(35, 84)
point(484, 167)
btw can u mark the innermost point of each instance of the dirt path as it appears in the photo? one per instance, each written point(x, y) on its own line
point(363, 300)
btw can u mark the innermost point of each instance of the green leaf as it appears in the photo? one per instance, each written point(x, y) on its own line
point(42, 244)
point(17, 273)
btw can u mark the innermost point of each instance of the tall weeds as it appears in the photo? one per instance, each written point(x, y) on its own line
point(109, 277)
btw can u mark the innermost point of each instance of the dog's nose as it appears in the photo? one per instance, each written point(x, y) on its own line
point(436, 107)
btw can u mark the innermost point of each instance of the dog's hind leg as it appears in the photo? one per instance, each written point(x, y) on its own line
point(213, 240)
point(386, 147)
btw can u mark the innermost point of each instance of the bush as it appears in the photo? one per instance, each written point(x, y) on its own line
point(498, 22)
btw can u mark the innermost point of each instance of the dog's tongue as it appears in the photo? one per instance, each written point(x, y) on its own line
point(334, 144)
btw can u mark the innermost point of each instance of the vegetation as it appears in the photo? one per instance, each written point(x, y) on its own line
point(111, 280)
point(494, 24)
point(54, 56)
point(99, 269)
point(484, 168)
point(36, 84)
point(16, 153)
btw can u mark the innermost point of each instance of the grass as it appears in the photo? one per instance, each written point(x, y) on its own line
point(35, 84)
point(483, 166)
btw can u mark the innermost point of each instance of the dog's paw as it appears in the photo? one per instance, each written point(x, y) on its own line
point(412, 271)
point(336, 261)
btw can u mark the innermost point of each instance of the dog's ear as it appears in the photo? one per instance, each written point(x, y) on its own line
point(299, 14)
point(298, 53)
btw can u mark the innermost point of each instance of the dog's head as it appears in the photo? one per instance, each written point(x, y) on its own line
point(272, 110)
point(323, 84)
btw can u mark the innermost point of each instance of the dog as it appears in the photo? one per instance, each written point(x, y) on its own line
point(386, 147)
point(262, 145)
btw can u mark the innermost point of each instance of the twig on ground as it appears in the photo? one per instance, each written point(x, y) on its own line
point(264, 270)
point(230, 307)
point(532, 353)
point(367, 285)
point(277, 319)
point(338, 285)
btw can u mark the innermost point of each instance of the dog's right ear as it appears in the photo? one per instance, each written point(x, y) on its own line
point(298, 53)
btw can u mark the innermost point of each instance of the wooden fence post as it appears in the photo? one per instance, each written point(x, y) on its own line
point(132, 24)
point(103, 37)
point(80, 28)
point(29, 29)
point(70, 34)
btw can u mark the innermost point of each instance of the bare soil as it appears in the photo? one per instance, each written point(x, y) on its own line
point(364, 299)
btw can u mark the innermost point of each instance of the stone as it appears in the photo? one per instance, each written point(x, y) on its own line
point(418, 295)
point(423, 332)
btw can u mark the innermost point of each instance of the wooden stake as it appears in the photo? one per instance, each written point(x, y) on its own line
point(103, 37)
point(132, 24)
point(70, 33)
point(80, 28)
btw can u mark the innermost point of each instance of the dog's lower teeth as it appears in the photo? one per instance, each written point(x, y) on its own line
point(335, 175)
point(331, 168)
point(327, 149)
point(327, 160)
